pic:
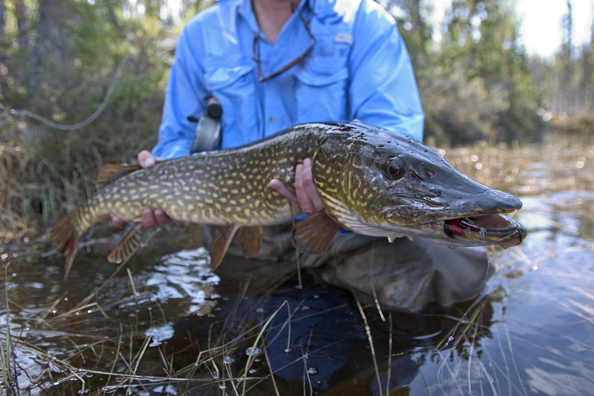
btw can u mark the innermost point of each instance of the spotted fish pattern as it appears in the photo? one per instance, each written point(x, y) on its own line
point(372, 181)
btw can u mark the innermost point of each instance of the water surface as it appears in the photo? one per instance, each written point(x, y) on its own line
point(165, 324)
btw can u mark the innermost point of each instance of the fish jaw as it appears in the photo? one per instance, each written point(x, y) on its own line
point(482, 230)
point(486, 229)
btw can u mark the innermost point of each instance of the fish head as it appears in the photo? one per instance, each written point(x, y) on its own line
point(392, 185)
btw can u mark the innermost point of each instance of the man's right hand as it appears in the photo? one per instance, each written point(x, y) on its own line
point(150, 218)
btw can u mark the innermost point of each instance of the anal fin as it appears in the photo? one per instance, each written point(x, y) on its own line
point(315, 233)
point(250, 239)
point(112, 172)
point(220, 243)
point(132, 238)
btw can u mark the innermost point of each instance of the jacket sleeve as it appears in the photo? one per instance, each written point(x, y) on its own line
point(382, 88)
point(185, 96)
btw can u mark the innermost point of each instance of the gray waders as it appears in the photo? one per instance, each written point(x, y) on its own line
point(404, 275)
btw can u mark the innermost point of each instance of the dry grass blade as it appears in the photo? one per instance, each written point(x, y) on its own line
point(370, 339)
point(271, 372)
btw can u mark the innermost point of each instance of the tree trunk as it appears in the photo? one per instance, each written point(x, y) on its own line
point(40, 32)
point(22, 23)
point(420, 56)
point(2, 21)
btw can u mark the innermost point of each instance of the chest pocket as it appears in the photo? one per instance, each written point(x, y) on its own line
point(234, 87)
point(321, 89)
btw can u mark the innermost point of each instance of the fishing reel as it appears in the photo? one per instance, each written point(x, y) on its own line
point(208, 129)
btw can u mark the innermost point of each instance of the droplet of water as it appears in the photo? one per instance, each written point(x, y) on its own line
point(450, 338)
point(391, 239)
point(260, 310)
point(312, 370)
point(222, 386)
point(228, 360)
point(288, 350)
point(26, 239)
point(253, 351)
point(483, 233)
point(252, 371)
point(304, 308)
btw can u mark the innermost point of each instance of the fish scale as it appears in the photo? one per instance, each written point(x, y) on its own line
point(372, 181)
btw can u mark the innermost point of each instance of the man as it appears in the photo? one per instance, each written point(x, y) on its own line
point(276, 63)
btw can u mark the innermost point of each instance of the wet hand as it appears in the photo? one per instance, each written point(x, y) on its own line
point(306, 197)
point(150, 218)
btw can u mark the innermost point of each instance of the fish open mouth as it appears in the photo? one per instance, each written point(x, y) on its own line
point(495, 229)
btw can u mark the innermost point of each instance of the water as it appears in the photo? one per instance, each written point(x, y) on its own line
point(187, 331)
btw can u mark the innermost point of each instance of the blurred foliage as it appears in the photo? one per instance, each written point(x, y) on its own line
point(58, 58)
point(474, 83)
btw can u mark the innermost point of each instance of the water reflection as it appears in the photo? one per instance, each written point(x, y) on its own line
point(171, 326)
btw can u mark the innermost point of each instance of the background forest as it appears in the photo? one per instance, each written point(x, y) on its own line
point(58, 59)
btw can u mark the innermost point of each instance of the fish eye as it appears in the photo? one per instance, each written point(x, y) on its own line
point(394, 170)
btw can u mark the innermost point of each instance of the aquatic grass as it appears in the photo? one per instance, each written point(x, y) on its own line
point(250, 356)
point(467, 362)
point(6, 350)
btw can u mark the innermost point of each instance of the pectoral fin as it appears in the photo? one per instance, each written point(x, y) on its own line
point(315, 233)
point(112, 172)
point(132, 238)
point(250, 239)
point(220, 243)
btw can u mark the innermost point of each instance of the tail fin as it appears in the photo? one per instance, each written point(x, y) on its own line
point(65, 238)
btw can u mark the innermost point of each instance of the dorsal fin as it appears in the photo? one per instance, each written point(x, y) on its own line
point(315, 233)
point(132, 238)
point(220, 243)
point(250, 239)
point(112, 172)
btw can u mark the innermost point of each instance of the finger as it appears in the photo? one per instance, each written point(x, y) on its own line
point(310, 187)
point(148, 218)
point(280, 188)
point(146, 159)
point(300, 188)
point(117, 221)
point(161, 217)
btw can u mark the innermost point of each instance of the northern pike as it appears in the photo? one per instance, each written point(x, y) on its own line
point(372, 181)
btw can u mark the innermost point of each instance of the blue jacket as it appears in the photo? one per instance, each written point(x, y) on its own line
point(358, 69)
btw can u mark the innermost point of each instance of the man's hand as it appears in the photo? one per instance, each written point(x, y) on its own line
point(306, 196)
point(150, 218)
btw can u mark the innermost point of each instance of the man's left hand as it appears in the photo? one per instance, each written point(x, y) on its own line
point(306, 197)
